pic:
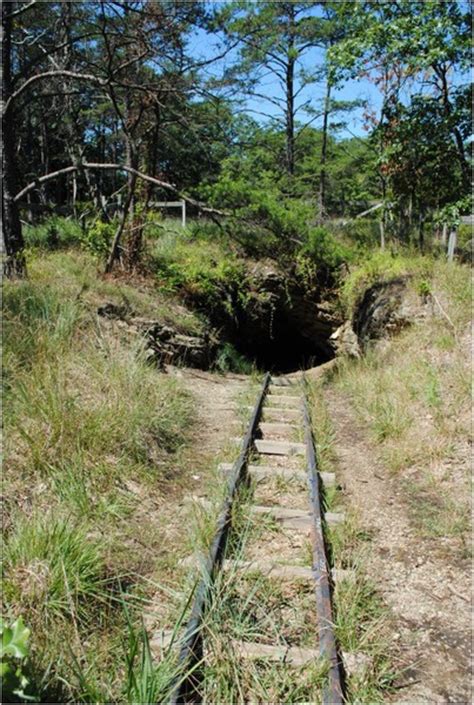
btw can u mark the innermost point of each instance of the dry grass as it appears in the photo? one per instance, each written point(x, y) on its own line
point(414, 394)
point(93, 437)
point(361, 619)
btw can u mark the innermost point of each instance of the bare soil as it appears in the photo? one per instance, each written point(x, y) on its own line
point(424, 581)
point(217, 422)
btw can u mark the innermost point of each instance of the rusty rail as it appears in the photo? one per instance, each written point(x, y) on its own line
point(332, 694)
point(191, 653)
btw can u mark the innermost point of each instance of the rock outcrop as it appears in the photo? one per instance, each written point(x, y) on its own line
point(164, 345)
point(385, 308)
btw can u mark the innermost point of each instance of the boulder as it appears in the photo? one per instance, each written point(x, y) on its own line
point(346, 341)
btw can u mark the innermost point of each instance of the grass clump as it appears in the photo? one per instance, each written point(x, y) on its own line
point(54, 232)
point(382, 266)
point(50, 565)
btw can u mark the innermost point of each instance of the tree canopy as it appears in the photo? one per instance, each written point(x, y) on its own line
point(98, 95)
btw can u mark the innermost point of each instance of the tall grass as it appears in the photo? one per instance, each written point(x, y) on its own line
point(85, 419)
point(51, 567)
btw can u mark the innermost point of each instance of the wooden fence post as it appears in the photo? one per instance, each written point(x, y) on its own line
point(452, 245)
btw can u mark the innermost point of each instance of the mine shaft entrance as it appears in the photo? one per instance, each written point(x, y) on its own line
point(284, 349)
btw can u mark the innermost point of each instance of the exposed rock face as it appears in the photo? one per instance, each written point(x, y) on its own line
point(386, 308)
point(283, 325)
point(346, 341)
point(164, 345)
point(271, 317)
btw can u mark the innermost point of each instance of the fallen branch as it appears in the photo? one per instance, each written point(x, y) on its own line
point(118, 167)
point(436, 300)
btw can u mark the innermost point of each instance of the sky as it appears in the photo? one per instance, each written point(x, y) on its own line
point(206, 45)
point(203, 45)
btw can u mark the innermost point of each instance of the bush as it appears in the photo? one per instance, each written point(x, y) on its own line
point(365, 234)
point(204, 271)
point(98, 238)
point(322, 247)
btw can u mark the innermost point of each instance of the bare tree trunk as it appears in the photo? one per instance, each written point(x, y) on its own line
point(14, 264)
point(290, 94)
point(421, 230)
point(322, 173)
point(115, 249)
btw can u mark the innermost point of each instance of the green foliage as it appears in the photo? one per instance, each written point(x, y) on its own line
point(228, 359)
point(322, 247)
point(381, 266)
point(147, 681)
point(207, 272)
point(364, 233)
point(98, 237)
point(69, 453)
point(451, 214)
point(13, 653)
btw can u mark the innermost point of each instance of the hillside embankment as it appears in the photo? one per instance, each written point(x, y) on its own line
point(106, 436)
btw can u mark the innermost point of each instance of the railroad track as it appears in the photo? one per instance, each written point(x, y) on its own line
point(267, 450)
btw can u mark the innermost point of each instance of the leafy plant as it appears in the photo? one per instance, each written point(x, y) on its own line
point(98, 238)
point(13, 653)
point(228, 359)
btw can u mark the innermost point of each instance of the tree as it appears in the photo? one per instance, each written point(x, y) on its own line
point(119, 57)
point(411, 49)
point(273, 38)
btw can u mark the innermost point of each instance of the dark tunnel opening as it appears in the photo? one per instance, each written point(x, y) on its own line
point(284, 349)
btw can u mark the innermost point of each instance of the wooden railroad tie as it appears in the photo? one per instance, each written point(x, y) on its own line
point(268, 472)
point(277, 447)
point(288, 518)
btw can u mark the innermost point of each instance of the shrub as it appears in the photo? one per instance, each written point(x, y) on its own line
point(98, 238)
point(323, 248)
point(365, 234)
point(204, 271)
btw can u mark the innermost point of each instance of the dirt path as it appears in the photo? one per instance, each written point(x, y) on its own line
point(215, 397)
point(169, 521)
point(427, 590)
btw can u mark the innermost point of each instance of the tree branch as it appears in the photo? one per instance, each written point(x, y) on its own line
point(117, 167)
point(22, 9)
point(50, 74)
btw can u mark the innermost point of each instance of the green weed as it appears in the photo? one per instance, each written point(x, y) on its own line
point(52, 233)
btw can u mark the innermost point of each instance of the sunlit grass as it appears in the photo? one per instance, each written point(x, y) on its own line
point(85, 420)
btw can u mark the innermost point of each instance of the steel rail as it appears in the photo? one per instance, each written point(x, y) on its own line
point(191, 653)
point(332, 693)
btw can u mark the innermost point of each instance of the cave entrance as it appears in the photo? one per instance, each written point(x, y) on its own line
point(284, 350)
